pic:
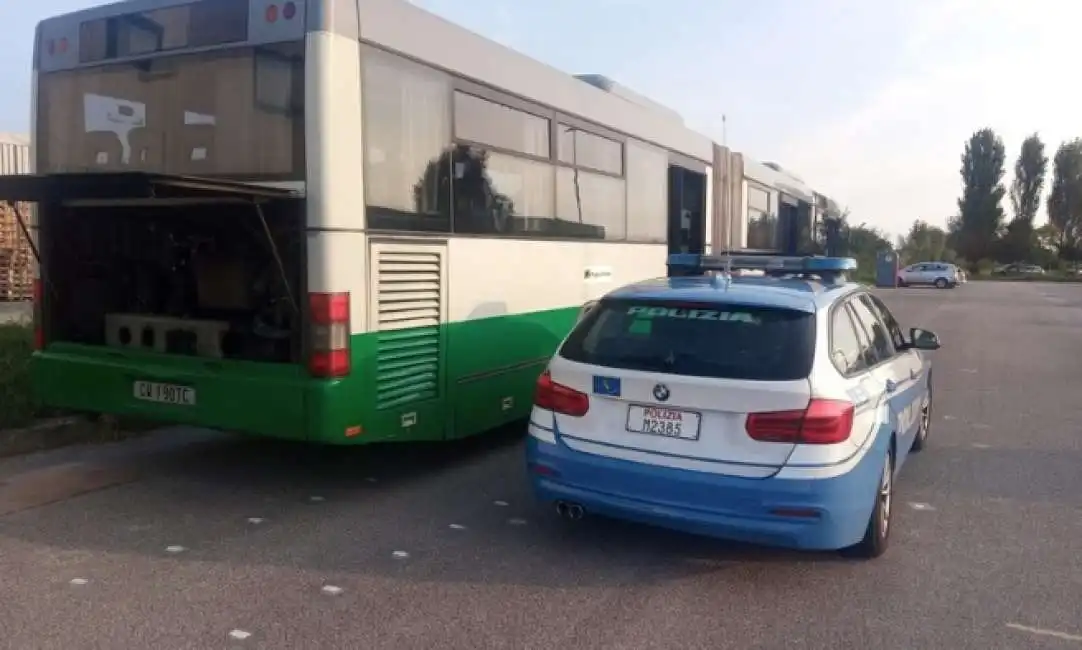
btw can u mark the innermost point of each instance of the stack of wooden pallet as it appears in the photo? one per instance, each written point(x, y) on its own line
point(16, 258)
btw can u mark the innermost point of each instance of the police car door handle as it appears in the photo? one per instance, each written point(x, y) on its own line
point(891, 386)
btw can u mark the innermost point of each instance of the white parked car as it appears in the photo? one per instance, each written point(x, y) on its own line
point(774, 410)
point(935, 274)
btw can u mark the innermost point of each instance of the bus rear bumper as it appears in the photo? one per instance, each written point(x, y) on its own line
point(262, 399)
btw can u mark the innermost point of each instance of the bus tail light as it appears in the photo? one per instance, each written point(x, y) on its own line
point(39, 331)
point(329, 339)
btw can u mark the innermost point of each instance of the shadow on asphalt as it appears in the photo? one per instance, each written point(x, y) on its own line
point(381, 499)
point(373, 501)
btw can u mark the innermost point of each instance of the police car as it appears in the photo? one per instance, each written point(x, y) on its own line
point(757, 398)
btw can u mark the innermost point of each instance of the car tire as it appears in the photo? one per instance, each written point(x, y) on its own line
point(901, 283)
point(941, 283)
point(877, 535)
point(921, 438)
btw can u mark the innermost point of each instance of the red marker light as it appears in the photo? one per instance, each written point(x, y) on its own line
point(272, 13)
point(63, 45)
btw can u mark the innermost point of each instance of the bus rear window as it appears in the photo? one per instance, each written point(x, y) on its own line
point(718, 341)
point(237, 112)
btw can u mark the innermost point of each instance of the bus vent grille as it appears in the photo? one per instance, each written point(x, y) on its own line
point(408, 312)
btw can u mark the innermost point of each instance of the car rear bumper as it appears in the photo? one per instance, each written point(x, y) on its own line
point(809, 514)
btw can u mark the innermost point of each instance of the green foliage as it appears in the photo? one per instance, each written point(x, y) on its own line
point(1065, 199)
point(860, 242)
point(17, 404)
point(984, 266)
point(980, 216)
point(1029, 174)
point(925, 243)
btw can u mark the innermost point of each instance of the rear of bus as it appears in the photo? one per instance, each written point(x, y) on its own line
point(181, 297)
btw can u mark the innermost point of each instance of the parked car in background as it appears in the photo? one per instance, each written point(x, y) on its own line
point(936, 274)
point(1019, 269)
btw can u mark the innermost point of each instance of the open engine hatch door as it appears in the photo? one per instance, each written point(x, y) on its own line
point(131, 187)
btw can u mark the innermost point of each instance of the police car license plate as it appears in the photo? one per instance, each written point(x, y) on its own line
point(663, 421)
point(150, 391)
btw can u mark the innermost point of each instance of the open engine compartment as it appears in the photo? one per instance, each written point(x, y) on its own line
point(210, 278)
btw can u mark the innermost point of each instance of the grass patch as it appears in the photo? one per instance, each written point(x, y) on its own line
point(25, 426)
point(17, 404)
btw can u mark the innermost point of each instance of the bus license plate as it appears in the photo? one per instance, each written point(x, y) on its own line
point(150, 391)
point(662, 421)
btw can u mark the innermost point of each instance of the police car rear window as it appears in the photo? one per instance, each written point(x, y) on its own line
point(718, 341)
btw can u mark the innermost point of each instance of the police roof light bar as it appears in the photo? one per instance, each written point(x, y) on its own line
point(689, 264)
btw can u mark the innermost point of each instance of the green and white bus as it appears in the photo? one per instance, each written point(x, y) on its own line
point(339, 221)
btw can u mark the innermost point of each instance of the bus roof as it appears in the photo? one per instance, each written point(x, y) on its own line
point(400, 26)
point(414, 32)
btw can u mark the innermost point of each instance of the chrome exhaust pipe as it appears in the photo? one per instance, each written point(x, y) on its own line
point(575, 512)
point(561, 509)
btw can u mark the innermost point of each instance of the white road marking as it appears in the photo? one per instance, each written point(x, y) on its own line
point(79, 581)
point(316, 499)
point(949, 417)
point(501, 504)
point(969, 371)
point(921, 506)
point(400, 555)
point(175, 549)
point(239, 635)
point(1043, 632)
point(980, 445)
point(332, 590)
point(457, 527)
point(372, 479)
point(517, 521)
point(255, 520)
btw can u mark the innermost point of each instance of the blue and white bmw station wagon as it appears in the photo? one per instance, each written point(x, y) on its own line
point(774, 408)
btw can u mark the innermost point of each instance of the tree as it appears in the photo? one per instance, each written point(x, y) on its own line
point(980, 210)
point(838, 237)
point(925, 243)
point(1019, 242)
point(1065, 199)
point(1028, 183)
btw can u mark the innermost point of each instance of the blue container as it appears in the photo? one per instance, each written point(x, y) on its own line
point(886, 269)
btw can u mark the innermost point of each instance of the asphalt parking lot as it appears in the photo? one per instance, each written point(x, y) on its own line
point(195, 540)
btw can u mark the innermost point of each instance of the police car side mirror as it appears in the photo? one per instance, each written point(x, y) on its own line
point(923, 339)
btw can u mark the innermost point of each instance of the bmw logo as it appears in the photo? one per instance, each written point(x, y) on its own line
point(661, 392)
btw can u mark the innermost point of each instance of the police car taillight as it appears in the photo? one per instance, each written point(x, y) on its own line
point(823, 422)
point(558, 398)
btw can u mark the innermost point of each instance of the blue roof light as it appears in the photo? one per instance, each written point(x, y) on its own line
point(685, 264)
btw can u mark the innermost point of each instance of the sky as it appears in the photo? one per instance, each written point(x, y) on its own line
point(870, 102)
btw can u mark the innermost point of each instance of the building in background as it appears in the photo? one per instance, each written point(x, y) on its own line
point(16, 257)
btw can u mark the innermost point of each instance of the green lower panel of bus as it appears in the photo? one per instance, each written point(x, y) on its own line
point(420, 384)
